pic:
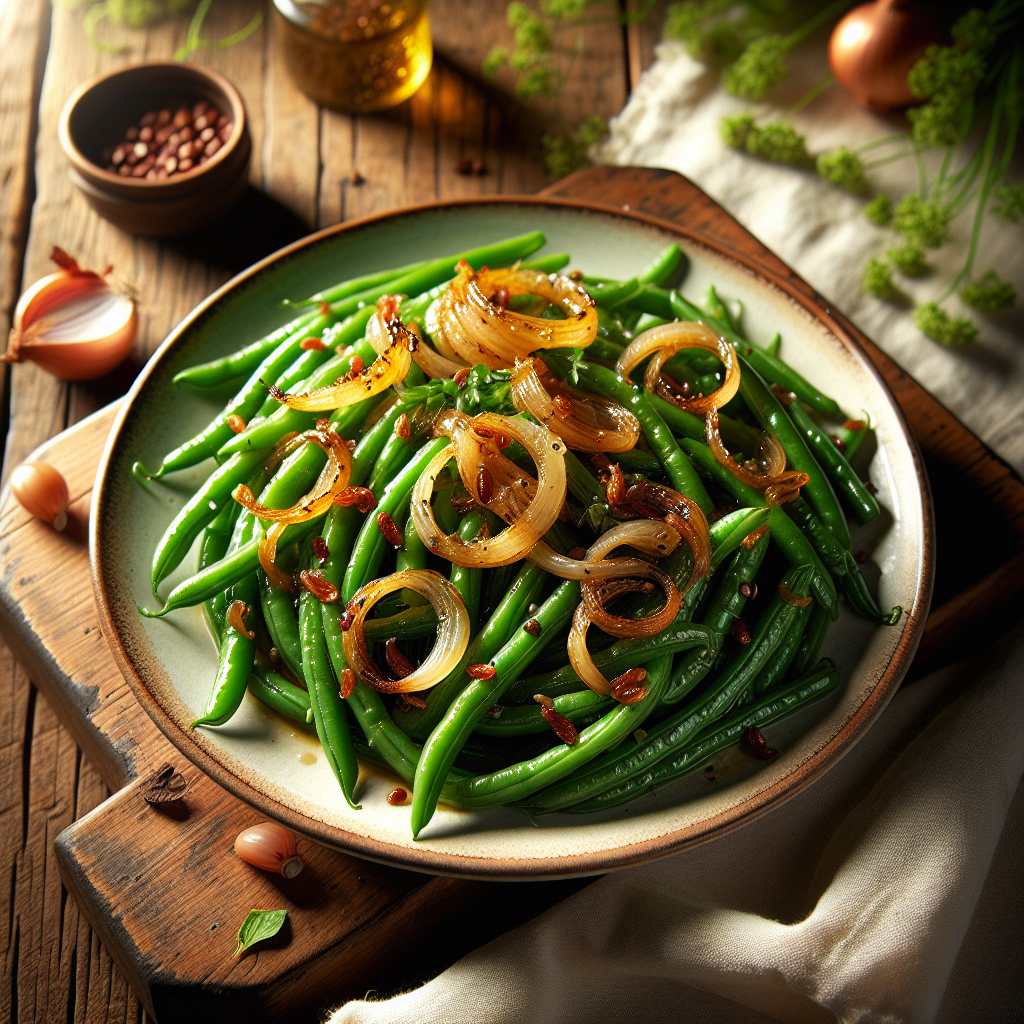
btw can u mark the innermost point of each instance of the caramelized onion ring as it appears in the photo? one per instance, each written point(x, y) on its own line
point(621, 428)
point(430, 362)
point(452, 630)
point(474, 329)
point(662, 343)
point(539, 515)
point(388, 368)
point(780, 485)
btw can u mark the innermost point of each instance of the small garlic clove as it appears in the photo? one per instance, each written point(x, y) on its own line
point(41, 490)
point(270, 847)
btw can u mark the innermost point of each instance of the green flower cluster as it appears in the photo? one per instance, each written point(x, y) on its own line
point(989, 294)
point(564, 154)
point(908, 260)
point(758, 68)
point(938, 325)
point(778, 142)
point(529, 56)
point(878, 281)
point(844, 169)
point(921, 222)
point(879, 210)
point(1009, 202)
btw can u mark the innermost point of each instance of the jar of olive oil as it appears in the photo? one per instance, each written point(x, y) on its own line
point(355, 56)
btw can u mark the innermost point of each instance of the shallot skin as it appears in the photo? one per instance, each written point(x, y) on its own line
point(42, 491)
point(270, 847)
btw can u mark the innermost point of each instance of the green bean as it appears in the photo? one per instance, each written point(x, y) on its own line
point(794, 546)
point(444, 743)
point(523, 780)
point(773, 346)
point(368, 550)
point(734, 432)
point(468, 581)
point(283, 696)
point(729, 600)
point(237, 652)
point(286, 489)
point(600, 380)
point(664, 265)
point(720, 736)
point(198, 511)
point(282, 623)
point(212, 548)
point(810, 644)
point(528, 719)
point(771, 414)
point(506, 618)
point(613, 293)
point(729, 532)
point(245, 360)
point(329, 714)
point(776, 669)
point(852, 437)
point(674, 732)
point(832, 460)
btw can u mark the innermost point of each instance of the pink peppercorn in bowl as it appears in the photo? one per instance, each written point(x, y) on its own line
point(191, 124)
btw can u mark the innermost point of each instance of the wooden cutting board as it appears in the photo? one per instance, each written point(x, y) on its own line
point(162, 887)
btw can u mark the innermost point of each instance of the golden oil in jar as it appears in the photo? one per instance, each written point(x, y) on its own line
point(355, 56)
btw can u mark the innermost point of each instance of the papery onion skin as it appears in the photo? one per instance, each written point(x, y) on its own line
point(269, 847)
point(662, 343)
point(449, 646)
point(873, 48)
point(476, 330)
point(530, 395)
point(548, 452)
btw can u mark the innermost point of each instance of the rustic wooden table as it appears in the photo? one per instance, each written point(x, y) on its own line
point(302, 178)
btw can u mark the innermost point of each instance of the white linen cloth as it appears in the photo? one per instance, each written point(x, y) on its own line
point(849, 903)
point(883, 894)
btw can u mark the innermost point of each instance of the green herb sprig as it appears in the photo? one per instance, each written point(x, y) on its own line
point(257, 926)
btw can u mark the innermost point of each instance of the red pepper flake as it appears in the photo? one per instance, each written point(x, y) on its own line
point(312, 345)
point(345, 621)
point(414, 700)
point(276, 393)
point(575, 275)
point(388, 528)
point(348, 683)
point(783, 395)
point(322, 589)
point(748, 590)
point(855, 426)
point(355, 366)
point(564, 729)
point(564, 407)
point(861, 557)
point(356, 178)
point(362, 497)
point(325, 309)
point(720, 512)
point(500, 298)
point(481, 671)
point(236, 423)
point(402, 431)
point(399, 664)
point(759, 745)
point(321, 550)
point(616, 486)
point(628, 688)
point(752, 538)
point(499, 438)
point(494, 711)
point(460, 377)
point(532, 627)
point(397, 797)
point(238, 612)
point(838, 442)
point(870, 487)
point(740, 632)
point(484, 485)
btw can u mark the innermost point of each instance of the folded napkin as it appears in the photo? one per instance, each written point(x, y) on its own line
point(672, 120)
point(850, 903)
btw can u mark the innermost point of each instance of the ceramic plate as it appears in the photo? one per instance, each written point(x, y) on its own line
point(276, 766)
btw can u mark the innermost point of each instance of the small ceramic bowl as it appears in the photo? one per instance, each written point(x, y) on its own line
point(95, 118)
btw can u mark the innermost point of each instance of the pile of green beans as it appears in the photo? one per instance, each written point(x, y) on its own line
point(711, 681)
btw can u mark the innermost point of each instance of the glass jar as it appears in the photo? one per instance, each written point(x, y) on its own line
point(356, 56)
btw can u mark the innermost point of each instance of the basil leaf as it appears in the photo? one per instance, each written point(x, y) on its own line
point(257, 926)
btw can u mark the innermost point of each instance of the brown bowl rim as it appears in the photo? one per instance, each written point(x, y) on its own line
point(510, 868)
point(98, 175)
